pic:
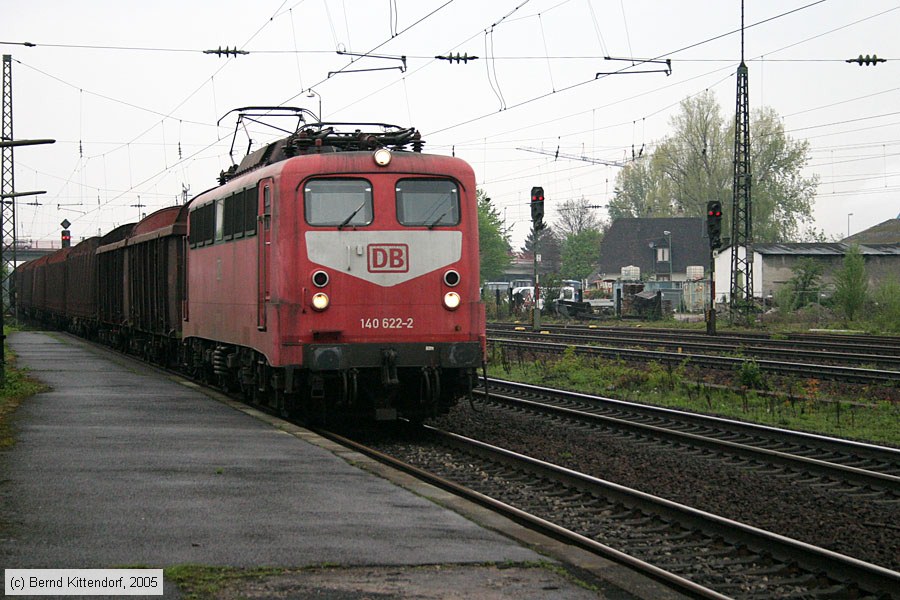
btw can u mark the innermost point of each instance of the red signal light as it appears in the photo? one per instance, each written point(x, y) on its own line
point(537, 206)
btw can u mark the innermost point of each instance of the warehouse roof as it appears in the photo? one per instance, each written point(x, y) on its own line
point(826, 249)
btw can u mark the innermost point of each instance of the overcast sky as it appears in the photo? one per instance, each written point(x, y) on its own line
point(132, 99)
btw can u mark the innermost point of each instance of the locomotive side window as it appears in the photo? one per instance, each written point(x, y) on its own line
point(220, 219)
point(250, 210)
point(234, 216)
point(202, 225)
point(427, 202)
point(340, 202)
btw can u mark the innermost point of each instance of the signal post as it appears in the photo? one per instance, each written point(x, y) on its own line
point(537, 224)
point(714, 232)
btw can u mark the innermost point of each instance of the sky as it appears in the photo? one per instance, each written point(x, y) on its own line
point(140, 110)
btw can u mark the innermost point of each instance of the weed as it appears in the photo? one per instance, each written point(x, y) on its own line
point(751, 376)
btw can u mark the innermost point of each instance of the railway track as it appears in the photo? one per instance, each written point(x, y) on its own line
point(876, 354)
point(835, 342)
point(529, 343)
point(812, 459)
point(698, 553)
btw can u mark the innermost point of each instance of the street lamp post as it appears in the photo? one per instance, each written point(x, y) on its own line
point(668, 235)
point(848, 223)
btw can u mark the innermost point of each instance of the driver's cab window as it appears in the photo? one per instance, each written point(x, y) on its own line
point(427, 202)
point(338, 202)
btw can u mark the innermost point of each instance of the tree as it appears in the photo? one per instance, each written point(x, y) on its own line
point(805, 285)
point(493, 241)
point(852, 284)
point(575, 216)
point(694, 165)
point(698, 158)
point(782, 199)
point(642, 190)
point(580, 253)
point(549, 248)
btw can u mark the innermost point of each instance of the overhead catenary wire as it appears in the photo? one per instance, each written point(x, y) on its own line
point(407, 81)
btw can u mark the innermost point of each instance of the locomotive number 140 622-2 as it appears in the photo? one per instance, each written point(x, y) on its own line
point(387, 323)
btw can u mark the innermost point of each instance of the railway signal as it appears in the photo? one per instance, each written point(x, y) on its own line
point(714, 223)
point(537, 207)
point(714, 231)
point(65, 236)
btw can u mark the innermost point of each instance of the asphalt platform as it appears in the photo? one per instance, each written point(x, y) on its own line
point(120, 464)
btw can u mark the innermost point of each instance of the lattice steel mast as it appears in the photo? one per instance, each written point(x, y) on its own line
point(741, 297)
point(8, 212)
point(8, 204)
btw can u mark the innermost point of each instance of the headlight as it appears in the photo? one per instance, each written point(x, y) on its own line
point(320, 301)
point(320, 278)
point(451, 300)
point(382, 157)
point(451, 278)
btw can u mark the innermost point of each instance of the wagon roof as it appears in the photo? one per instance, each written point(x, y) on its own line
point(119, 233)
point(59, 255)
point(31, 264)
point(165, 217)
point(88, 245)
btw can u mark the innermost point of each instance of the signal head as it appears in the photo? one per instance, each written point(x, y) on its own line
point(537, 206)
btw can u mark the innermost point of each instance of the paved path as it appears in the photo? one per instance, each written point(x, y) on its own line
point(119, 464)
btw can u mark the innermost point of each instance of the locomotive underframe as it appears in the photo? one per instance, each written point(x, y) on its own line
point(367, 381)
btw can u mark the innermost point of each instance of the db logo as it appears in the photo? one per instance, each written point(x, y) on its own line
point(388, 258)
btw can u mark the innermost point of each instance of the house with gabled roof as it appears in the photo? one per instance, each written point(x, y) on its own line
point(664, 249)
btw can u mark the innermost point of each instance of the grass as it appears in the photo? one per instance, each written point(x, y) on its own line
point(199, 582)
point(801, 405)
point(18, 385)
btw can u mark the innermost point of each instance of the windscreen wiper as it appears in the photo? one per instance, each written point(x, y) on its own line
point(438, 220)
point(353, 214)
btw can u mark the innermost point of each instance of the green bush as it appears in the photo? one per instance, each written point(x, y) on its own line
point(886, 312)
point(751, 376)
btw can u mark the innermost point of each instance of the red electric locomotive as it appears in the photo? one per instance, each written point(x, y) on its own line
point(338, 273)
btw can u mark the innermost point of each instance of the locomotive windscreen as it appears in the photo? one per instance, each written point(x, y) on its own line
point(338, 202)
point(428, 202)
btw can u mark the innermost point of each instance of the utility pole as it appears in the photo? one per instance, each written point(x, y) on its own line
point(741, 297)
point(8, 195)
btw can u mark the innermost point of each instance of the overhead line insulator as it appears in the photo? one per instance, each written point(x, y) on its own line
point(866, 60)
point(226, 52)
point(457, 58)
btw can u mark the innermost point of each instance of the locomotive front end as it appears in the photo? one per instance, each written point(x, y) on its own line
point(336, 274)
point(390, 319)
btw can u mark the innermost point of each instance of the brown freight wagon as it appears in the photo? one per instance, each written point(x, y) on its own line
point(56, 289)
point(81, 283)
point(23, 276)
point(155, 275)
point(111, 289)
